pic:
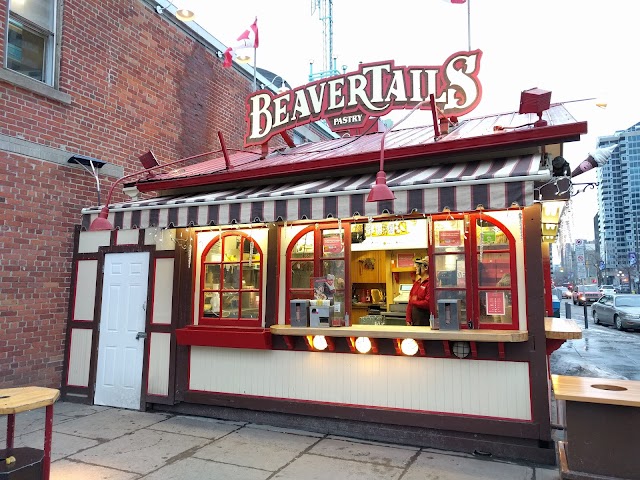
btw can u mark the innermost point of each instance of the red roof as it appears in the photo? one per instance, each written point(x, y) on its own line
point(470, 139)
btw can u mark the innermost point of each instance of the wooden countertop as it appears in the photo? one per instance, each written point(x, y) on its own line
point(394, 331)
point(561, 328)
point(585, 389)
point(16, 400)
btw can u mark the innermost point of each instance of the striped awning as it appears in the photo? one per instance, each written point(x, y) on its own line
point(494, 184)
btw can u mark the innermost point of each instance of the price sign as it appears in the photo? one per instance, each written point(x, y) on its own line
point(495, 303)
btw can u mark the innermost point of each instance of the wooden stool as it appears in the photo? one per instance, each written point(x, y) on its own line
point(17, 400)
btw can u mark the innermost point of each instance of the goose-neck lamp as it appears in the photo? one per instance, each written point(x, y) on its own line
point(380, 191)
point(102, 222)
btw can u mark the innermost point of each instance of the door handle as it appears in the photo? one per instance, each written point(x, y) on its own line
point(140, 335)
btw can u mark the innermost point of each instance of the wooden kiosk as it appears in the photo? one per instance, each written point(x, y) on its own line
point(234, 242)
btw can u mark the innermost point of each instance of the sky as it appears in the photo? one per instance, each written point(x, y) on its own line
point(577, 49)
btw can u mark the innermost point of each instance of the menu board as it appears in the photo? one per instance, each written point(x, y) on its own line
point(495, 303)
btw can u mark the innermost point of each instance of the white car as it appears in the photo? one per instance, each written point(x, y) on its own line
point(607, 290)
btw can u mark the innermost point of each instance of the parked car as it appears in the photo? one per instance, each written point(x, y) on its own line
point(622, 311)
point(585, 294)
point(566, 292)
point(607, 290)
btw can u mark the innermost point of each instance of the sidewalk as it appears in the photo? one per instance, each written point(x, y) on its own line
point(102, 443)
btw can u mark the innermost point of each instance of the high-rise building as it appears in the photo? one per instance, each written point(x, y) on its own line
point(619, 207)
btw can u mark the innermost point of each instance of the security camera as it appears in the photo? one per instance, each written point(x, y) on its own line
point(159, 9)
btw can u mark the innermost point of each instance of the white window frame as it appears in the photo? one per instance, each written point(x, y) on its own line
point(49, 87)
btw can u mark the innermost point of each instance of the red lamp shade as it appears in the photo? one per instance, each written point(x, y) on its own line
point(380, 192)
point(101, 223)
point(535, 100)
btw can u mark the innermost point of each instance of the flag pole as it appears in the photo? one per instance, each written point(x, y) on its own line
point(469, 24)
point(255, 86)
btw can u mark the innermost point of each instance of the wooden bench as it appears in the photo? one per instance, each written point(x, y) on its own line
point(17, 400)
point(602, 427)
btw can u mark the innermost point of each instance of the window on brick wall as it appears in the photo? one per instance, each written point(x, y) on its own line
point(31, 39)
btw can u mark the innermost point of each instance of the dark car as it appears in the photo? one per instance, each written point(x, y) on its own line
point(623, 311)
point(585, 294)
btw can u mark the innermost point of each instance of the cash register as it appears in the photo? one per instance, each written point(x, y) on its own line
point(403, 296)
point(397, 310)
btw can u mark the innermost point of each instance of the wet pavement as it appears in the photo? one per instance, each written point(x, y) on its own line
point(601, 352)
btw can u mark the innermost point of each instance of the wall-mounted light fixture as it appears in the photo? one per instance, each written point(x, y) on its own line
point(91, 165)
point(102, 222)
point(182, 14)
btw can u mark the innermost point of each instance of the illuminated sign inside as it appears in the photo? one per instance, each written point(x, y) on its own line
point(373, 90)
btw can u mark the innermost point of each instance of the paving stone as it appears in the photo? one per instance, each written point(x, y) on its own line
point(435, 466)
point(69, 409)
point(547, 474)
point(142, 452)
point(285, 430)
point(197, 426)
point(66, 470)
point(256, 448)
point(314, 467)
point(109, 424)
point(62, 445)
point(368, 452)
point(196, 469)
point(28, 422)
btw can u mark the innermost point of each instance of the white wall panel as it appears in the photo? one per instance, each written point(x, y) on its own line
point(85, 291)
point(79, 357)
point(159, 356)
point(90, 241)
point(127, 237)
point(470, 387)
point(163, 291)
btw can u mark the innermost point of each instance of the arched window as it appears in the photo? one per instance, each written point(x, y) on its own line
point(231, 282)
point(317, 252)
point(480, 286)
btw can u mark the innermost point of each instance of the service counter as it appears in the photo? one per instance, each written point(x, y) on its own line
point(417, 333)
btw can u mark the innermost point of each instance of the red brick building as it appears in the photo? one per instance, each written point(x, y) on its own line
point(109, 80)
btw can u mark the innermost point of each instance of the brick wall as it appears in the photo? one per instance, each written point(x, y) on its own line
point(137, 82)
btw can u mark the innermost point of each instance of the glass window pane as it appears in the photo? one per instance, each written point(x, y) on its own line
point(211, 304)
point(40, 12)
point(450, 271)
point(333, 243)
point(212, 277)
point(495, 307)
point(250, 275)
point(304, 247)
point(249, 305)
point(214, 254)
point(453, 294)
point(26, 51)
point(448, 235)
point(301, 273)
point(335, 268)
point(231, 277)
point(250, 251)
point(231, 248)
point(230, 305)
point(490, 236)
point(494, 270)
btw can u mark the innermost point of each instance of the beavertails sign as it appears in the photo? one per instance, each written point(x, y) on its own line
point(373, 90)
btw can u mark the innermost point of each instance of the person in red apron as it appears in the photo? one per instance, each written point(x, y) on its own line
point(418, 312)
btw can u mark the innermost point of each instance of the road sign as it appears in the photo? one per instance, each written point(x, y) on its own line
point(602, 265)
point(632, 259)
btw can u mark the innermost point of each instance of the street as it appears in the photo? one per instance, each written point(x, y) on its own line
point(602, 351)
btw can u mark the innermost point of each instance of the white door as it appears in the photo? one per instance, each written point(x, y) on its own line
point(120, 347)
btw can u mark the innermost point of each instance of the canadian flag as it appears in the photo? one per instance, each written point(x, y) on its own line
point(248, 39)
